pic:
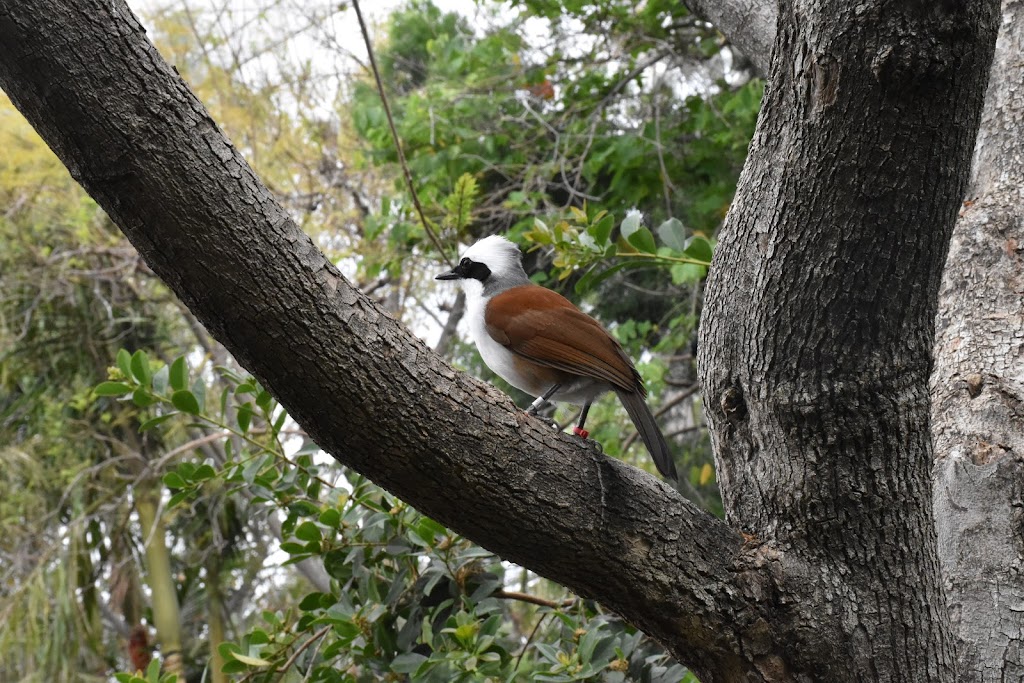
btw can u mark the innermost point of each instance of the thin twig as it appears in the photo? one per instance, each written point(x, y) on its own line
point(529, 639)
point(533, 599)
point(447, 338)
point(394, 134)
point(666, 182)
point(295, 655)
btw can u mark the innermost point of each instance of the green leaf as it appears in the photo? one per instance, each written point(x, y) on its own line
point(178, 497)
point(673, 234)
point(279, 422)
point(173, 480)
point(160, 379)
point(331, 517)
point(204, 472)
point(304, 508)
point(643, 240)
point(124, 362)
point(263, 399)
point(293, 548)
point(142, 398)
point(179, 374)
point(308, 531)
point(698, 248)
point(227, 650)
point(153, 671)
point(602, 229)
point(687, 272)
point(185, 401)
point(314, 601)
point(407, 663)
point(112, 389)
point(140, 367)
point(258, 636)
point(251, 661)
point(199, 391)
point(244, 416)
point(465, 633)
point(308, 448)
point(155, 421)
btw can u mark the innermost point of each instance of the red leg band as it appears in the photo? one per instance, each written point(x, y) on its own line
point(580, 432)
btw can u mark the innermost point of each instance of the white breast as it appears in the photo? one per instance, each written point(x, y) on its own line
point(502, 361)
point(498, 358)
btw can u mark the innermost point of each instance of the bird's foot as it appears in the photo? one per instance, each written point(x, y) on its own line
point(585, 435)
point(533, 413)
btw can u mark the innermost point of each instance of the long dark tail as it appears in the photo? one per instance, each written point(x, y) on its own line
point(643, 419)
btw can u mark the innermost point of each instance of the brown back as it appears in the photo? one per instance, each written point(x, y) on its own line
point(546, 328)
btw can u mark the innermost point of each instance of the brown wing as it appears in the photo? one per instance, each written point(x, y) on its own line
point(544, 327)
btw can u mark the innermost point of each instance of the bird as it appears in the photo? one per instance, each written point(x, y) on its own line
point(539, 342)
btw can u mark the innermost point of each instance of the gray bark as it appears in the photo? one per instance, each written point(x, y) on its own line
point(819, 408)
point(818, 323)
point(978, 386)
point(748, 24)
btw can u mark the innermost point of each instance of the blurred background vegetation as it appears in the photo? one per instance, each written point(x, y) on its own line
point(158, 506)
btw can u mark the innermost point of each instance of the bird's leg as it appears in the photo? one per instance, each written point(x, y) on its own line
point(578, 430)
point(541, 400)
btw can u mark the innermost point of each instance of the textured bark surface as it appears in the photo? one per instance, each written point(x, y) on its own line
point(815, 350)
point(977, 392)
point(748, 24)
point(818, 325)
point(978, 386)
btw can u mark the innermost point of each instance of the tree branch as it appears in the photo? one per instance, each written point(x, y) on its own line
point(748, 24)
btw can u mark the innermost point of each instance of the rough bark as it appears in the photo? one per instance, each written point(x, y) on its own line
point(818, 322)
point(821, 411)
point(748, 24)
point(977, 390)
point(978, 386)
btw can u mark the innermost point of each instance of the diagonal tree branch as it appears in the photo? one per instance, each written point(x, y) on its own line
point(136, 138)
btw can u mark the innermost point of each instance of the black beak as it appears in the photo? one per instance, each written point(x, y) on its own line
point(455, 273)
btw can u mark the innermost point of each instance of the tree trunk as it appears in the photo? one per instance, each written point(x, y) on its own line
point(978, 386)
point(820, 411)
point(818, 322)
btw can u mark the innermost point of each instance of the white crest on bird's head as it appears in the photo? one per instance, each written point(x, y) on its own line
point(497, 253)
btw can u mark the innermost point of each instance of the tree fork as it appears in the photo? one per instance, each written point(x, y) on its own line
point(818, 322)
